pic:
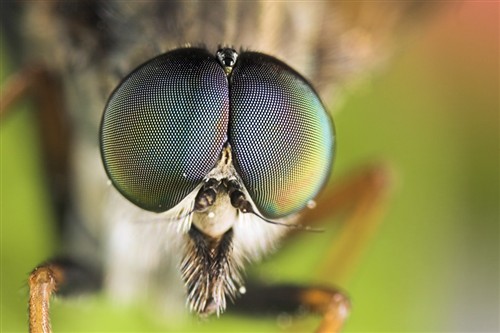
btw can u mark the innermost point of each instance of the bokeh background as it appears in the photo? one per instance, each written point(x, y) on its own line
point(432, 266)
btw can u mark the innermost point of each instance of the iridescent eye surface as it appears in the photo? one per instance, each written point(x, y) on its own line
point(281, 135)
point(164, 127)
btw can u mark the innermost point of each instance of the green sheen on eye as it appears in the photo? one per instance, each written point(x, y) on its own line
point(164, 127)
point(281, 135)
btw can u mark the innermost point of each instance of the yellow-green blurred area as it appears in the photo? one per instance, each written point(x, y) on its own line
point(433, 265)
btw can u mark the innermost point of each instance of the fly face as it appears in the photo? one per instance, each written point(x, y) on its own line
point(208, 139)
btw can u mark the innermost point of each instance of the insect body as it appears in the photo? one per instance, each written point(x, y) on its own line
point(212, 155)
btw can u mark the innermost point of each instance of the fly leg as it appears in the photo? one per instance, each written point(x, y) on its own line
point(271, 300)
point(359, 199)
point(63, 277)
point(58, 276)
point(54, 130)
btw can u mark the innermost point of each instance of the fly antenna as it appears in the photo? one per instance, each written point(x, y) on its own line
point(239, 201)
point(295, 226)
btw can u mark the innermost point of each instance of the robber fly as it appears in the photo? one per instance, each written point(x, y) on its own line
point(207, 130)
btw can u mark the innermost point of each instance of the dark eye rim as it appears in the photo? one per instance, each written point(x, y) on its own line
point(185, 52)
point(265, 60)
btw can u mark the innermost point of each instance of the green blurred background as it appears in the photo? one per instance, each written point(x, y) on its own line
point(433, 265)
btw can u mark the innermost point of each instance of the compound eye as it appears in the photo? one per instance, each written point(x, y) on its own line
point(164, 127)
point(280, 133)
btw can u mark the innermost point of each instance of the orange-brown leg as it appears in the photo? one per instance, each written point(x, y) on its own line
point(57, 276)
point(13, 90)
point(45, 89)
point(333, 305)
point(272, 300)
point(62, 277)
point(43, 283)
point(359, 199)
